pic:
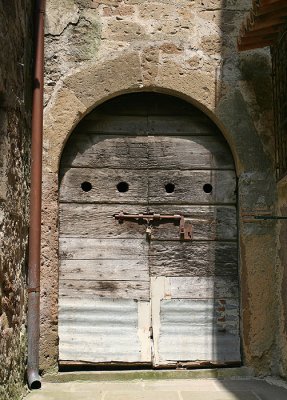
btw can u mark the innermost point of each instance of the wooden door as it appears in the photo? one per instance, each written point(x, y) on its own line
point(126, 297)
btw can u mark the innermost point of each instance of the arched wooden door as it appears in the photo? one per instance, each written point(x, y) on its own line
point(159, 286)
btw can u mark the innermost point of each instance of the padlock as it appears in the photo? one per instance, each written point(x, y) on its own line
point(148, 232)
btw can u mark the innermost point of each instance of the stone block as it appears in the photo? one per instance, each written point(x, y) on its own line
point(122, 31)
point(60, 15)
point(118, 11)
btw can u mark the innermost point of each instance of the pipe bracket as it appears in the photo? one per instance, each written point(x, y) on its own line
point(34, 290)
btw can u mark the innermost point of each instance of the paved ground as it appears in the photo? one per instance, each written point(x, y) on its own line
point(179, 389)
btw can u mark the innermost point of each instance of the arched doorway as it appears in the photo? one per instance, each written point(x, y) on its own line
point(148, 238)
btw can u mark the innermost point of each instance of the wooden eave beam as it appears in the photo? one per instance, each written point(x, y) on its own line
point(262, 3)
point(276, 6)
point(266, 21)
point(262, 25)
point(255, 44)
point(257, 39)
point(272, 30)
point(280, 8)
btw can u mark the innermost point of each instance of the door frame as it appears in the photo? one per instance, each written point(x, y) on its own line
point(256, 181)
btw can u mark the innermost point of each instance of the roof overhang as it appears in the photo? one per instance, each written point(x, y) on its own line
point(263, 24)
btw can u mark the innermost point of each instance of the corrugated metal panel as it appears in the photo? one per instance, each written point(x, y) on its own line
point(102, 330)
point(199, 330)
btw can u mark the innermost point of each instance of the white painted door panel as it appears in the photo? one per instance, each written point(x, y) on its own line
point(104, 330)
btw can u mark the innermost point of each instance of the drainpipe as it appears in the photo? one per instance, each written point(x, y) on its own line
point(34, 380)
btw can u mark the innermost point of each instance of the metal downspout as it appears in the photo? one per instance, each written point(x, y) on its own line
point(34, 380)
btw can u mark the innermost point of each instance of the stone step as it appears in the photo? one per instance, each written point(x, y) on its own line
point(132, 375)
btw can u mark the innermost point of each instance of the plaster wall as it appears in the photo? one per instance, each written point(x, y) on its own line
point(15, 116)
point(96, 50)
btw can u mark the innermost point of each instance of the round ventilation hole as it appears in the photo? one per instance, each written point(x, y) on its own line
point(86, 186)
point(169, 188)
point(207, 188)
point(123, 187)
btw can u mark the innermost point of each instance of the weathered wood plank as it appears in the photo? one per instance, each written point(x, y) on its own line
point(163, 125)
point(193, 258)
point(108, 249)
point(101, 151)
point(97, 221)
point(219, 287)
point(114, 124)
point(104, 270)
point(146, 104)
point(193, 152)
point(137, 290)
point(165, 258)
point(181, 125)
point(189, 186)
point(104, 186)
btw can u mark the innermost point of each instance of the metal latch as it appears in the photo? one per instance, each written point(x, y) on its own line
point(185, 229)
point(185, 226)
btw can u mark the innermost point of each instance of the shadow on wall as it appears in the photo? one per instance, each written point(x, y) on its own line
point(249, 74)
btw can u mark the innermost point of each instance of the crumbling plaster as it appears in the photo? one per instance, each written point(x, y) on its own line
point(186, 49)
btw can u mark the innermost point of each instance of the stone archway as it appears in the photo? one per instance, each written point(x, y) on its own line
point(159, 288)
point(78, 94)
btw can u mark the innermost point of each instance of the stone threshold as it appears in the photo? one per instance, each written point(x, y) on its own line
point(134, 375)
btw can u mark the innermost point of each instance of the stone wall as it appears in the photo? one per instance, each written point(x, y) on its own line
point(15, 116)
point(96, 50)
point(282, 272)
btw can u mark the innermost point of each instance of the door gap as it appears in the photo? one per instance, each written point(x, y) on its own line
point(176, 366)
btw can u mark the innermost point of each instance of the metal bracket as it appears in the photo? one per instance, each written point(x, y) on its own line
point(273, 217)
point(185, 227)
point(252, 215)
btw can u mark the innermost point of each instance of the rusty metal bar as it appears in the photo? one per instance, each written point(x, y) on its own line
point(185, 228)
point(34, 380)
point(146, 217)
